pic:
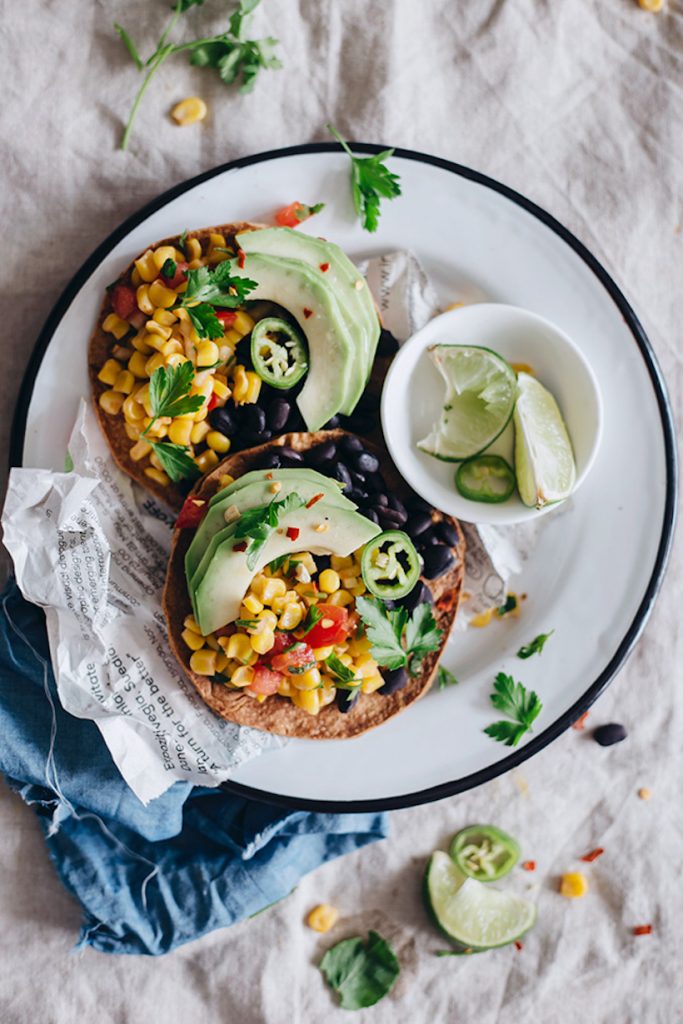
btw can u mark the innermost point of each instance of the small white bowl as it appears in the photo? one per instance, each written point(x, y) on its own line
point(413, 391)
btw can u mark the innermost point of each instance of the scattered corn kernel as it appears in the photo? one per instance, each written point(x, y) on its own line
point(191, 623)
point(143, 300)
point(160, 296)
point(109, 372)
point(199, 432)
point(207, 460)
point(483, 619)
point(341, 598)
point(139, 450)
point(651, 5)
point(309, 680)
point(322, 653)
point(644, 793)
point(136, 365)
point(252, 604)
point(291, 617)
point(204, 662)
point(207, 354)
point(158, 476)
point(153, 363)
point(322, 918)
point(226, 479)
point(219, 442)
point(271, 588)
point(307, 700)
point(146, 267)
point(262, 642)
point(111, 402)
point(243, 323)
point(125, 382)
point(240, 648)
point(193, 640)
point(189, 111)
point(329, 581)
point(243, 675)
point(113, 324)
point(220, 388)
point(573, 885)
point(179, 432)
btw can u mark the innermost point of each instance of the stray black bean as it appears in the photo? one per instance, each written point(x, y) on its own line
point(341, 473)
point(437, 560)
point(366, 462)
point(419, 504)
point(381, 499)
point(448, 533)
point(322, 453)
point(389, 518)
point(356, 494)
point(278, 414)
point(223, 420)
point(346, 701)
point(418, 523)
point(420, 594)
point(331, 424)
point(350, 444)
point(607, 735)
point(394, 680)
point(291, 456)
point(271, 460)
point(370, 514)
point(253, 419)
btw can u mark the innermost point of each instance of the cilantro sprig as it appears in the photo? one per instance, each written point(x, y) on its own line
point(313, 617)
point(520, 706)
point(168, 396)
point(371, 181)
point(230, 53)
point(176, 460)
point(258, 524)
point(536, 646)
point(207, 288)
point(397, 639)
point(345, 679)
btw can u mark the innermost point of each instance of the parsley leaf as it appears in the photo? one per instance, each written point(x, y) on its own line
point(536, 646)
point(518, 704)
point(205, 321)
point(168, 391)
point(216, 286)
point(371, 181)
point(257, 524)
point(313, 616)
point(361, 973)
point(509, 606)
point(445, 678)
point(175, 459)
point(169, 268)
point(397, 640)
point(422, 635)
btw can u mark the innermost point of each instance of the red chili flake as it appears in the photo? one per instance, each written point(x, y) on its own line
point(580, 723)
point(593, 855)
point(293, 532)
point(308, 312)
point(642, 929)
point(242, 546)
point(316, 497)
point(529, 865)
point(518, 946)
point(324, 267)
point(241, 258)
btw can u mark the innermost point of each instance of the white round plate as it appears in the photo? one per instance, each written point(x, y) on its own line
point(598, 561)
point(413, 387)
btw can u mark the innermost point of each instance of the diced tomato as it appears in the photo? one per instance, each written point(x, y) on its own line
point(332, 628)
point(265, 680)
point(296, 660)
point(293, 532)
point(307, 313)
point(178, 278)
point(213, 402)
point(192, 513)
point(240, 546)
point(227, 317)
point(123, 300)
point(287, 216)
point(282, 640)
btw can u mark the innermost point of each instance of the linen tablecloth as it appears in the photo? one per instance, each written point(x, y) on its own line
point(578, 105)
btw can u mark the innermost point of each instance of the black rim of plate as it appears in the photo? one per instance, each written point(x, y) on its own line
point(591, 694)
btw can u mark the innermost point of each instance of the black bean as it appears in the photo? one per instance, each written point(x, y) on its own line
point(419, 504)
point(606, 735)
point(254, 419)
point(375, 482)
point(254, 437)
point(366, 462)
point(427, 538)
point(448, 533)
point(420, 594)
point(224, 420)
point(358, 478)
point(291, 456)
point(356, 494)
point(418, 523)
point(350, 444)
point(322, 453)
point(295, 420)
point(370, 514)
point(388, 518)
point(278, 413)
point(346, 700)
point(331, 423)
point(341, 473)
point(397, 504)
point(271, 460)
point(381, 500)
point(437, 560)
point(387, 344)
point(322, 562)
point(394, 680)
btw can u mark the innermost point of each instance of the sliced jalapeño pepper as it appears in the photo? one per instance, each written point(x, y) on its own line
point(390, 565)
point(485, 478)
point(278, 352)
point(484, 852)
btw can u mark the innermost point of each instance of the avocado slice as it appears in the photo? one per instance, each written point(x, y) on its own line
point(299, 473)
point(218, 594)
point(254, 493)
point(349, 285)
point(304, 293)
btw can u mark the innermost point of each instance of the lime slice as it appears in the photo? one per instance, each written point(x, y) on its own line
point(474, 914)
point(544, 460)
point(481, 389)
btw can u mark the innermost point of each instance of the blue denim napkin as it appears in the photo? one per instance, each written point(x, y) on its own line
point(147, 878)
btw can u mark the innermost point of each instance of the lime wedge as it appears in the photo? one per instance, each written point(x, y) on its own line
point(481, 389)
point(544, 460)
point(473, 914)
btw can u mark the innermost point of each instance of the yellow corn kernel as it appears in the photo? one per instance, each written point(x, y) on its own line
point(307, 700)
point(146, 267)
point(219, 442)
point(190, 623)
point(133, 410)
point(109, 372)
point(162, 331)
point(140, 343)
point(213, 643)
point(651, 5)
point(121, 352)
point(307, 680)
point(243, 675)
point(192, 640)
point(359, 646)
point(176, 359)
point(359, 590)
point(216, 239)
point(271, 588)
point(573, 885)
point(170, 348)
point(139, 450)
point(155, 341)
point(132, 431)
point(220, 388)
point(252, 604)
point(240, 648)
point(341, 562)
point(262, 642)
point(125, 382)
point(372, 683)
point(291, 617)
point(306, 559)
point(259, 581)
point(136, 365)
point(253, 388)
point(231, 338)
point(164, 317)
point(483, 619)
point(199, 432)
point(206, 461)
point(143, 300)
point(111, 402)
point(267, 620)
point(189, 111)
point(327, 693)
point(163, 253)
point(322, 918)
point(158, 475)
point(179, 432)
point(113, 324)
point(193, 248)
point(221, 662)
point(155, 460)
point(153, 363)
point(240, 383)
point(243, 323)
point(329, 581)
point(322, 653)
point(207, 354)
point(227, 478)
point(285, 688)
point(341, 598)
point(204, 662)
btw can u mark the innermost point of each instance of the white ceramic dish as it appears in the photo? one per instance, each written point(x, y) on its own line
point(597, 562)
point(410, 401)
